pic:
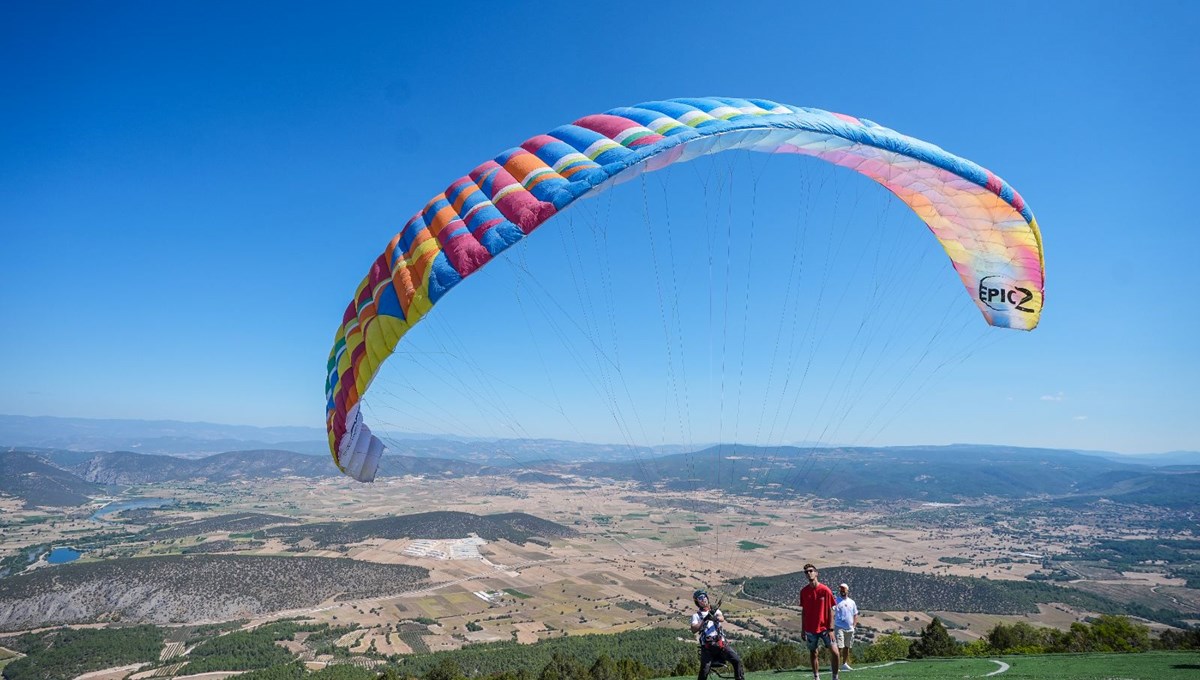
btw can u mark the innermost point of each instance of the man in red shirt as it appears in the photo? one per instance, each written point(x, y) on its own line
point(816, 599)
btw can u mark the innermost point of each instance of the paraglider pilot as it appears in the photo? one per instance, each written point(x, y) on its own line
point(714, 648)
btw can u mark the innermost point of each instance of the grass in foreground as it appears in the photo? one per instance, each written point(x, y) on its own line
point(1150, 666)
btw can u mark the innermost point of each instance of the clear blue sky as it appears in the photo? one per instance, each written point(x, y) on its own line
point(189, 192)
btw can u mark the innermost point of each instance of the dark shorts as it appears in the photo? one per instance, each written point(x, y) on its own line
point(711, 657)
point(813, 640)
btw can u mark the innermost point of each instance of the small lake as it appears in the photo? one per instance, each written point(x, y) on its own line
point(62, 555)
point(132, 504)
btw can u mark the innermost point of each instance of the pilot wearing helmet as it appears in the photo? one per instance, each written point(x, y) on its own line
point(714, 648)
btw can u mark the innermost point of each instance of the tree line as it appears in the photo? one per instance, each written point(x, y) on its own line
point(68, 653)
point(1105, 634)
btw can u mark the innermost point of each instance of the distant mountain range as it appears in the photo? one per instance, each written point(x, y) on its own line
point(946, 474)
point(150, 436)
point(1191, 458)
point(188, 439)
point(185, 439)
point(125, 468)
point(929, 473)
point(63, 461)
point(55, 477)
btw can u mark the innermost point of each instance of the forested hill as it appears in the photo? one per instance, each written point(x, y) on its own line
point(187, 588)
point(928, 473)
point(126, 468)
point(889, 590)
point(514, 527)
point(36, 482)
point(924, 473)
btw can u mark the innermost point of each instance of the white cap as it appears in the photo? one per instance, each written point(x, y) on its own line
point(844, 586)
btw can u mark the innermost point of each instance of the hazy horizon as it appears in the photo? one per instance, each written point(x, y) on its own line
point(318, 436)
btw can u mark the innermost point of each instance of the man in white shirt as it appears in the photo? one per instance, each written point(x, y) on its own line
point(845, 620)
point(714, 648)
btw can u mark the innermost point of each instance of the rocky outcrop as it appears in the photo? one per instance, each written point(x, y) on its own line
point(126, 468)
point(191, 588)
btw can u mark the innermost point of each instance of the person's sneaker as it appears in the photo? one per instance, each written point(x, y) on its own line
point(846, 667)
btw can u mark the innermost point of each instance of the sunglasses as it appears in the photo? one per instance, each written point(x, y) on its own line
point(810, 571)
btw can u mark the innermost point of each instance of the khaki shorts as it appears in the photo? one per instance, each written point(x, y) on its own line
point(845, 638)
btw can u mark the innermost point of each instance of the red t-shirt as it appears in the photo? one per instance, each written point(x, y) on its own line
point(816, 602)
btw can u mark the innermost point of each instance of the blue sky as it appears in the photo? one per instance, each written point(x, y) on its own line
point(189, 193)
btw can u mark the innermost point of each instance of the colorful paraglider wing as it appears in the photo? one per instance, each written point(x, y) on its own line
point(985, 227)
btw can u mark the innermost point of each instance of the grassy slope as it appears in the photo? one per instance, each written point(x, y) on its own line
point(1151, 665)
point(7, 656)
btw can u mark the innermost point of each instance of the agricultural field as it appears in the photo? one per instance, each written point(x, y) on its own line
point(570, 558)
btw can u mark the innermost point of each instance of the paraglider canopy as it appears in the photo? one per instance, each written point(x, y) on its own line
point(982, 223)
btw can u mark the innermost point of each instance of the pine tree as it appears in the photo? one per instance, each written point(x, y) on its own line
point(447, 669)
point(563, 667)
point(688, 664)
point(935, 641)
point(604, 669)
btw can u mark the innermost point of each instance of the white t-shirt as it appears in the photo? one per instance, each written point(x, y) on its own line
point(708, 625)
point(843, 613)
